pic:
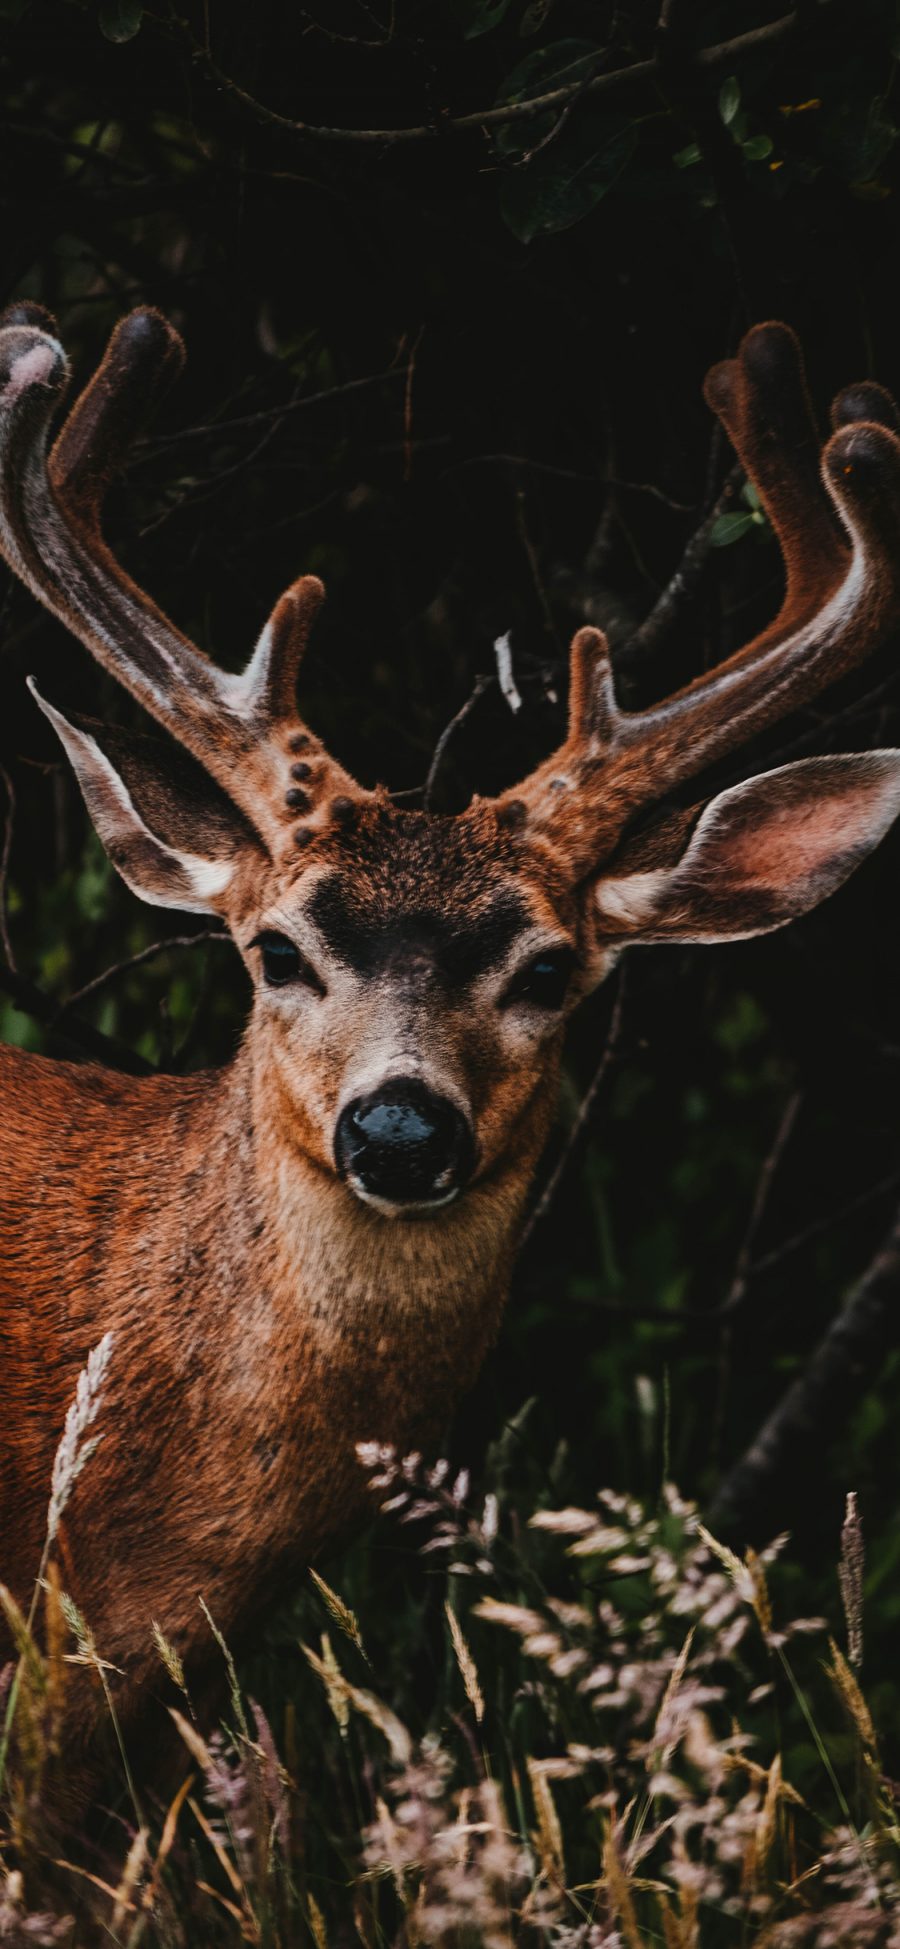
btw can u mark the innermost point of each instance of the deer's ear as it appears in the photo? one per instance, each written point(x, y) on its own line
point(170, 831)
point(761, 854)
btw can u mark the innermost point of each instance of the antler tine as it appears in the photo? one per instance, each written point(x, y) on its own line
point(267, 688)
point(50, 533)
point(144, 357)
point(762, 401)
point(842, 583)
point(58, 551)
point(865, 401)
point(837, 518)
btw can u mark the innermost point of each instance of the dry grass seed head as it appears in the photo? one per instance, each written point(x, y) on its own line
point(466, 1663)
point(169, 1657)
point(848, 1691)
point(343, 1617)
point(74, 1450)
point(850, 1575)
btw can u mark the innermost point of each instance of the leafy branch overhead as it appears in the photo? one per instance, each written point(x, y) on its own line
point(559, 139)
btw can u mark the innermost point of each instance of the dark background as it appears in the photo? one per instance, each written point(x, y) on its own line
point(459, 376)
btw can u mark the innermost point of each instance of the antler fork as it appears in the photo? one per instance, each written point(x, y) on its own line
point(240, 727)
point(838, 524)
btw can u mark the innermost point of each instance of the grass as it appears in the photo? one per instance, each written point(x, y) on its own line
point(575, 1726)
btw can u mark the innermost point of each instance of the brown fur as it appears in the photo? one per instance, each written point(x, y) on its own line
point(264, 1321)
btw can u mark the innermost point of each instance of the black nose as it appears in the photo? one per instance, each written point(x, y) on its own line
point(404, 1144)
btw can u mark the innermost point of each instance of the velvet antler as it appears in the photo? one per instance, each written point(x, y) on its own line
point(243, 729)
point(837, 519)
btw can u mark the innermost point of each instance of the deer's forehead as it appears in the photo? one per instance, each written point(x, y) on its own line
point(369, 933)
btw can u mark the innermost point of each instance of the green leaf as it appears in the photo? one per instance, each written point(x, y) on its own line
point(119, 20)
point(729, 528)
point(758, 147)
point(729, 99)
point(685, 157)
point(479, 16)
point(856, 133)
point(565, 180)
point(545, 68)
point(534, 17)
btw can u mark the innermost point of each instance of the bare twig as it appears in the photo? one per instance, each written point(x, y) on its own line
point(144, 954)
point(655, 493)
point(823, 1394)
point(707, 60)
point(558, 125)
point(820, 1226)
point(521, 162)
point(479, 687)
point(583, 1120)
point(217, 480)
point(148, 449)
point(531, 553)
point(58, 1017)
point(741, 1279)
point(744, 1265)
point(683, 585)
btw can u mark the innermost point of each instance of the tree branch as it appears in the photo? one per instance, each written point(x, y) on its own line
point(736, 1295)
point(148, 449)
point(706, 60)
point(583, 1120)
point(479, 687)
point(144, 954)
point(83, 1037)
point(683, 584)
point(822, 1395)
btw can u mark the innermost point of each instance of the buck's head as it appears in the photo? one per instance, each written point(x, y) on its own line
point(413, 974)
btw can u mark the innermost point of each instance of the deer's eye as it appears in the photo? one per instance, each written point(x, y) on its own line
point(544, 982)
point(284, 963)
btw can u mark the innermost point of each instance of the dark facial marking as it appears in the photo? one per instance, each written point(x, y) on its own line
point(457, 947)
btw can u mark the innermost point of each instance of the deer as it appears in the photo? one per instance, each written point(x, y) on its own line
point(311, 1247)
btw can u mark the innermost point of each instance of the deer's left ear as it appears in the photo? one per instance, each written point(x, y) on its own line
point(761, 854)
point(170, 830)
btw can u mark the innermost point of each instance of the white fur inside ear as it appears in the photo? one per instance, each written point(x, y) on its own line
point(631, 902)
point(161, 874)
point(210, 876)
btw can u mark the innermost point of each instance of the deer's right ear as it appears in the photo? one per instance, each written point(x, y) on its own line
point(169, 830)
point(761, 853)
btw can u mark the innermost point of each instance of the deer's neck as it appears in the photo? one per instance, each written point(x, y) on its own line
point(353, 1275)
point(328, 1325)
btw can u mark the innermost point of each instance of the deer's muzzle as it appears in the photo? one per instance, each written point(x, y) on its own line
point(402, 1148)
